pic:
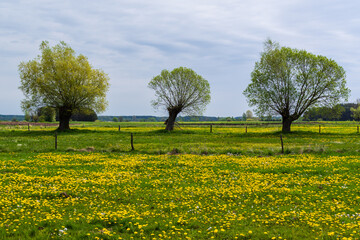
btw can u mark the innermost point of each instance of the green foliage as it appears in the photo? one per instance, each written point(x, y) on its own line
point(27, 116)
point(244, 117)
point(249, 114)
point(59, 79)
point(46, 114)
point(35, 118)
point(151, 119)
point(229, 119)
point(324, 113)
point(181, 88)
point(288, 81)
point(356, 113)
point(84, 114)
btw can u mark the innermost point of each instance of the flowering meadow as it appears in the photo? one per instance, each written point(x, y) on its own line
point(223, 182)
point(183, 196)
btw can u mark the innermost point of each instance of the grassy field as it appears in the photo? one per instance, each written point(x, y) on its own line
point(150, 138)
point(187, 184)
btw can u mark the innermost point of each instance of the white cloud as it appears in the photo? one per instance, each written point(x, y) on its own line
point(133, 40)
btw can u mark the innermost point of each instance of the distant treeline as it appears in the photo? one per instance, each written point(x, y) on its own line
point(340, 112)
point(155, 118)
point(12, 117)
point(139, 118)
point(179, 119)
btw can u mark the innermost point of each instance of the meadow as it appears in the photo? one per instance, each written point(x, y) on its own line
point(150, 138)
point(233, 183)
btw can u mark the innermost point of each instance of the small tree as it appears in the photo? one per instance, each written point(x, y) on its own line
point(355, 113)
point(244, 117)
point(59, 79)
point(27, 116)
point(181, 90)
point(46, 114)
point(249, 114)
point(35, 118)
point(288, 81)
point(229, 119)
point(268, 118)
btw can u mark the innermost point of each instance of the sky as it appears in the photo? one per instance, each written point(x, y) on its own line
point(133, 40)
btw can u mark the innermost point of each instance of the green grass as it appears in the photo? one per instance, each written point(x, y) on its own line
point(107, 195)
point(189, 183)
point(150, 138)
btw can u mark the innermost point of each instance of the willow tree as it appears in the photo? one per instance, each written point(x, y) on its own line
point(180, 91)
point(288, 81)
point(58, 78)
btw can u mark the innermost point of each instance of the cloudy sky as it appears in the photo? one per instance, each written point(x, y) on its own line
point(133, 40)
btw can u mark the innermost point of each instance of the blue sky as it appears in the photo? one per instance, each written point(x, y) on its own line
point(133, 40)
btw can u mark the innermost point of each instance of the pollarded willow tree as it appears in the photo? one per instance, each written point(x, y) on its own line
point(288, 81)
point(180, 91)
point(59, 79)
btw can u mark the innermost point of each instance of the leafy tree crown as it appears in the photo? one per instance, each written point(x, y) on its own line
point(58, 78)
point(180, 89)
point(287, 81)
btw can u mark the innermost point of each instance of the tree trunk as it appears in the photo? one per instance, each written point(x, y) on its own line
point(171, 120)
point(286, 124)
point(64, 118)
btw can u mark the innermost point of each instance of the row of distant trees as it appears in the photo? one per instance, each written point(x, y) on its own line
point(246, 116)
point(340, 112)
point(49, 114)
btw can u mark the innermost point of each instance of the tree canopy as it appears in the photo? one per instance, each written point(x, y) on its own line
point(249, 114)
point(356, 113)
point(324, 113)
point(84, 115)
point(288, 81)
point(46, 114)
point(58, 78)
point(181, 90)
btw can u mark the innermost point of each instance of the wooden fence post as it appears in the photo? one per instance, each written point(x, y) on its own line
point(210, 128)
point(245, 128)
point(55, 140)
point(357, 129)
point(282, 144)
point(119, 128)
point(132, 142)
